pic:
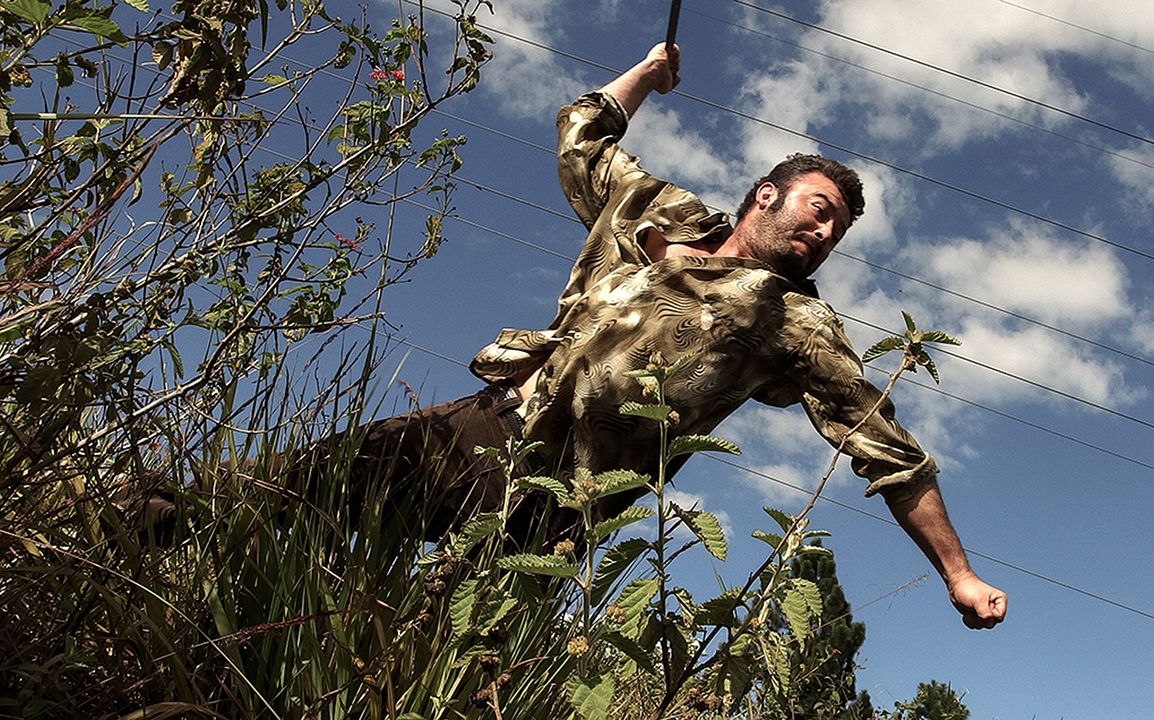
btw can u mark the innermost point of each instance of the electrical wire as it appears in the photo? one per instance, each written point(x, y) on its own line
point(962, 190)
point(945, 71)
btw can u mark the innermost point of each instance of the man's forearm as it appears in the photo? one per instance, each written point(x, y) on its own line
point(658, 71)
point(923, 516)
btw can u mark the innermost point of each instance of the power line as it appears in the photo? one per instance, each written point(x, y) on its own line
point(1033, 383)
point(1083, 28)
point(945, 71)
point(840, 148)
point(922, 88)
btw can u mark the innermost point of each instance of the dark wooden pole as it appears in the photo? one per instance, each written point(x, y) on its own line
point(671, 33)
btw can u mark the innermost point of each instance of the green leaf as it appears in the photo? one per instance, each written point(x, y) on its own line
point(461, 607)
point(476, 529)
point(707, 529)
point(801, 605)
point(735, 673)
point(64, 74)
point(770, 539)
point(631, 650)
point(101, 27)
point(547, 484)
point(700, 443)
point(613, 565)
point(782, 519)
point(928, 362)
point(630, 515)
point(592, 696)
point(937, 336)
point(141, 5)
point(274, 80)
point(618, 481)
point(493, 612)
point(659, 413)
point(162, 54)
point(33, 11)
point(881, 347)
point(720, 610)
point(911, 328)
point(633, 600)
point(551, 565)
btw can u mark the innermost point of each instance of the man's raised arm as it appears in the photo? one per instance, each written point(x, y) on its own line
point(658, 71)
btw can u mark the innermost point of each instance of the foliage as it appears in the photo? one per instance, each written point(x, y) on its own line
point(181, 243)
point(933, 701)
point(910, 343)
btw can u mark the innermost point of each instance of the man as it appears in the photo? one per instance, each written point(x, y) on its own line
point(661, 274)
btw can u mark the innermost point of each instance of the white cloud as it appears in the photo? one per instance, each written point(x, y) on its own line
point(529, 81)
point(1136, 177)
point(669, 151)
point(996, 43)
point(1059, 281)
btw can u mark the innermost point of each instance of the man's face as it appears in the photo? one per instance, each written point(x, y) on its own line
point(796, 231)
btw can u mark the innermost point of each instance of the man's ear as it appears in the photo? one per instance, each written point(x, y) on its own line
point(766, 194)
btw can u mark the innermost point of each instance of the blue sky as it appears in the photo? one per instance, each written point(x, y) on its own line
point(1042, 425)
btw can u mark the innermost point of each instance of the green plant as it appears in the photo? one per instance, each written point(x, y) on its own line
point(169, 273)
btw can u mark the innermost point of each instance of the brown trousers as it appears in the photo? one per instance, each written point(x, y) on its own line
point(419, 468)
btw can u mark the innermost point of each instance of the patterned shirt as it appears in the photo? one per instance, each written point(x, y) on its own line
point(752, 333)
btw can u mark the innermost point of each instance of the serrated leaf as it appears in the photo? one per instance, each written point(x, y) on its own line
point(719, 610)
point(630, 515)
point(551, 565)
point(678, 642)
point(770, 539)
point(493, 612)
point(475, 529)
point(547, 484)
point(648, 383)
point(631, 650)
point(618, 481)
point(928, 363)
point(461, 606)
point(937, 336)
point(616, 561)
point(162, 54)
point(658, 413)
point(700, 443)
point(33, 11)
point(911, 328)
point(633, 600)
point(783, 520)
point(141, 5)
point(707, 529)
point(801, 605)
point(592, 696)
point(734, 674)
point(679, 364)
point(101, 27)
point(881, 347)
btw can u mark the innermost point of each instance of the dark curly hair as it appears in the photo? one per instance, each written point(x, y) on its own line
point(798, 164)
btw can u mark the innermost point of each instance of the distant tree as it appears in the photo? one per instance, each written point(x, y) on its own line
point(933, 701)
point(827, 688)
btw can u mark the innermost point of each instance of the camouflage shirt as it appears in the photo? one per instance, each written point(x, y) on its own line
point(751, 332)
